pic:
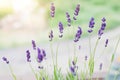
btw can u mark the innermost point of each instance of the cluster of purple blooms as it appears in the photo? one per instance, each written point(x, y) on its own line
point(41, 53)
point(103, 25)
point(76, 11)
point(78, 34)
point(60, 29)
point(5, 59)
point(52, 10)
point(91, 25)
point(51, 35)
point(73, 68)
point(68, 19)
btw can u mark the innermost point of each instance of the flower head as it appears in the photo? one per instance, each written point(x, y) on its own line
point(101, 30)
point(76, 11)
point(5, 59)
point(91, 25)
point(73, 68)
point(52, 13)
point(106, 42)
point(51, 35)
point(101, 65)
point(28, 56)
point(34, 44)
point(60, 29)
point(41, 55)
point(78, 34)
point(44, 53)
point(86, 58)
point(68, 19)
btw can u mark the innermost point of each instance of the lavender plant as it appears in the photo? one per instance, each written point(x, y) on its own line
point(72, 74)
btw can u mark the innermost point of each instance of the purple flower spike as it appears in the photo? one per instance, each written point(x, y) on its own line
point(76, 11)
point(40, 67)
point(78, 35)
point(68, 19)
point(106, 43)
point(72, 69)
point(60, 29)
point(5, 59)
point(101, 65)
point(51, 35)
point(91, 25)
point(44, 53)
point(52, 13)
point(34, 44)
point(86, 58)
point(101, 30)
point(28, 56)
point(40, 56)
point(73, 63)
point(38, 50)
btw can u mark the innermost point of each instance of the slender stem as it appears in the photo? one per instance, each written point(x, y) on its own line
point(52, 53)
point(74, 50)
point(95, 47)
point(33, 71)
point(57, 53)
point(116, 46)
point(13, 75)
point(90, 44)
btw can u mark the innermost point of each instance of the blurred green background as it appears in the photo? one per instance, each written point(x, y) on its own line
point(110, 9)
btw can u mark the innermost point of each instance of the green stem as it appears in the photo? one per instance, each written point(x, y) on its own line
point(33, 72)
point(95, 47)
point(13, 75)
point(74, 50)
point(116, 45)
point(90, 44)
point(52, 53)
point(57, 53)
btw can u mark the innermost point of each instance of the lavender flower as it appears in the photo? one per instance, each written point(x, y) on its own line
point(91, 25)
point(100, 68)
point(106, 43)
point(73, 63)
point(61, 29)
point(34, 44)
point(40, 67)
point(101, 30)
point(72, 69)
point(78, 34)
point(76, 11)
point(51, 35)
point(40, 56)
point(52, 13)
point(86, 58)
point(68, 19)
point(103, 25)
point(28, 56)
point(5, 59)
point(44, 53)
